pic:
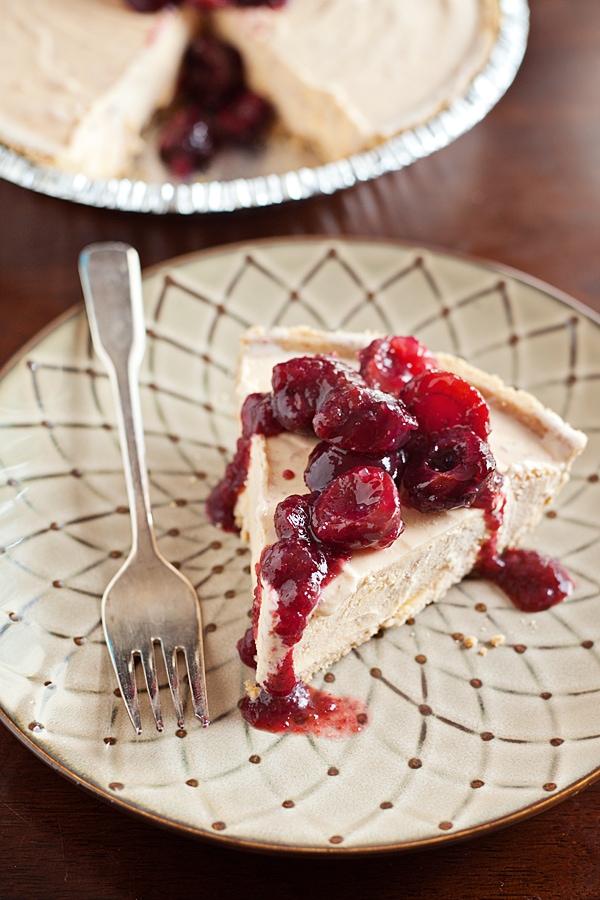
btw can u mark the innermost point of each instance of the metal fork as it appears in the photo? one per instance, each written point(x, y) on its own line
point(148, 602)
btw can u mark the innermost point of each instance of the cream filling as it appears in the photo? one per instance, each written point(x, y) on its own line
point(345, 74)
point(80, 78)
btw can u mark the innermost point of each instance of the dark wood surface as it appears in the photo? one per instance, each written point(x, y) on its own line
point(522, 189)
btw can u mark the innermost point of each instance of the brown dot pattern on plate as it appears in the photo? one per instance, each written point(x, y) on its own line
point(110, 741)
point(545, 695)
point(181, 733)
point(333, 771)
point(219, 826)
point(476, 682)
point(420, 658)
point(200, 460)
point(481, 607)
point(192, 782)
point(520, 648)
point(556, 742)
point(210, 628)
point(288, 804)
point(477, 783)
point(116, 786)
point(549, 786)
point(445, 826)
point(329, 677)
point(255, 759)
point(414, 763)
point(386, 805)
point(36, 727)
point(336, 839)
point(80, 640)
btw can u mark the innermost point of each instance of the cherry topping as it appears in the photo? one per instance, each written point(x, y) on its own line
point(258, 417)
point(447, 469)
point(326, 462)
point(359, 509)
point(441, 399)
point(300, 385)
point(295, 568)
point(363, 420)
point(533, 582)
point(292, 516)
point(211, 73)
point(244, 119)
point(389, 363)
point(187, 141)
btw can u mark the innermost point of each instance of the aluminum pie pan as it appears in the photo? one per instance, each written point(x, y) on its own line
point(240, 183)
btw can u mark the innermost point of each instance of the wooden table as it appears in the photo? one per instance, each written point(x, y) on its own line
point(523, 189)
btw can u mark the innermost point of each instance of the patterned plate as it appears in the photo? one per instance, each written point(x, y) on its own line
point(459, 742)
point(284, 169)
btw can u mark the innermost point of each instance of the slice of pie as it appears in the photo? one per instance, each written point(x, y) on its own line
point(425, 467)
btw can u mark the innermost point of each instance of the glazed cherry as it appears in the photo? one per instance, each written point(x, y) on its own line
point(359, 509)
point(295, 568)
point(211, 72)
point(300, 385)
point(292, 517)
point(389, 363)
point(363, 420)
point(326, 462)
point(187, 142)
point(533, 582)
point(244, 119)
point(447, 469)
point(441, 400)
point(258, 417)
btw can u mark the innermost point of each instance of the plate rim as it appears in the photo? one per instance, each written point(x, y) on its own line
point(246, 844)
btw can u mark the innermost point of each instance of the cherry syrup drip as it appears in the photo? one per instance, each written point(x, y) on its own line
point(532, 581)
point(423, 439)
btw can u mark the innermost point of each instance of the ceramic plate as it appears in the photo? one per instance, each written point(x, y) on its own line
point(458, 742)
point(284, 170)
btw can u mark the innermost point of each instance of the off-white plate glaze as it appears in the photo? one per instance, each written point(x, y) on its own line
point(458, 742)
point(283, 169)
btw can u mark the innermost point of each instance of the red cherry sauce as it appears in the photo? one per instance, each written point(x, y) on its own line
point(257, 418)
point(532, 581)
point(298, 570)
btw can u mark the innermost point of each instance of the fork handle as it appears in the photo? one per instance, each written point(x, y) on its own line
point(112, 288)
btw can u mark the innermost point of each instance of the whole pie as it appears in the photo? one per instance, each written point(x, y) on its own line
point(82, 79)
